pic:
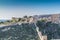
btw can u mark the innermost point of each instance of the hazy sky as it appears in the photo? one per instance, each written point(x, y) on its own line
point(19, 8)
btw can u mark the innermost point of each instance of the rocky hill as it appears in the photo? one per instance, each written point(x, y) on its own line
point(27, 31)
point(52, 30)
point(24, 31)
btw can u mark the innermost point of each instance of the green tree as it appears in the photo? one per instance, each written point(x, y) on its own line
point(25, 17)
point(19, 19)
point(30, 16)
point(41, 24)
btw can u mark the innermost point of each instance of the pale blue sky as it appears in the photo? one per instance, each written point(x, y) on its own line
point(20, 8)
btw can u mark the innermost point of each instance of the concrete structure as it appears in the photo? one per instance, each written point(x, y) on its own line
point(41, 37)
point(44, 37)
point(55, 18)
point(30, 19)
point(14, 19)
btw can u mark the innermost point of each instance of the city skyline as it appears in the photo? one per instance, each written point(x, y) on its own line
point(19, 8)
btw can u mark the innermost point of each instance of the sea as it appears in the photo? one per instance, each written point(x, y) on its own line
point(3, 20)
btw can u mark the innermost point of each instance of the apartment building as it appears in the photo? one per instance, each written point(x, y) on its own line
point(55, 18)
